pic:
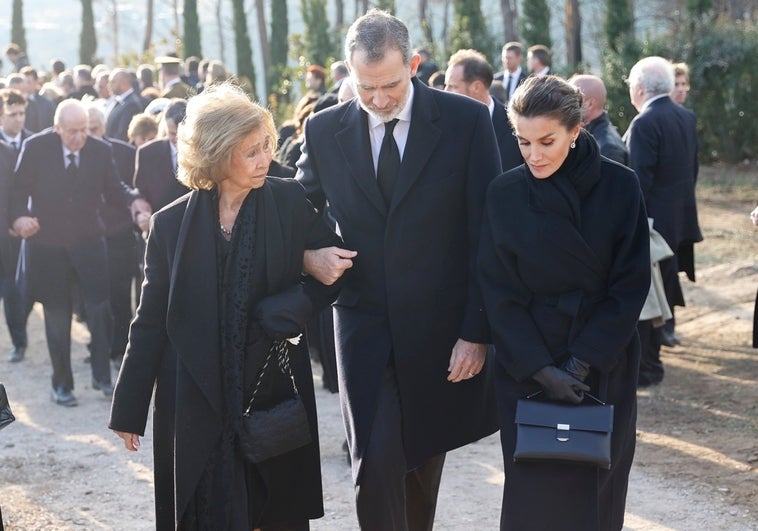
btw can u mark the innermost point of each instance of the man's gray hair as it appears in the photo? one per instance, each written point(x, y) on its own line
point(655, 75)
point(375, 33)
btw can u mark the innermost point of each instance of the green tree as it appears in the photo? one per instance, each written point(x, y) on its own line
point(88, 39)
point(191, 30)
point(278, 44)
point(245, 67)
point(469, 28)
point(318, 46)
point(620, 51)
point(386, 5)
point(535, 23)
point(18, 33)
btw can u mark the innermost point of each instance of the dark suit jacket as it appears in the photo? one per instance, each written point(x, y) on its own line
point(505, 78)
point(121, 115)
point(174, 344)
point(7, 257)
point(39, 113)
point(510, 154)
point(154, 175)
point(118, 218)
point(663, 147)
point(412, 291)
point(608, 139)
point(69, 213)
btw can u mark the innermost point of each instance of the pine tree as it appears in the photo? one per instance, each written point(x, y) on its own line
point(88, 40)
point(469, 28)
point(317, 40)
point(245, 67)
point(191, 30)
point(278, 43)
point(18, 32)
point(619, 23)
point(386, 5)
point(535, 23)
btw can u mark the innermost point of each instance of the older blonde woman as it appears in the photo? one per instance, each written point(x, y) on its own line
point(222, 281)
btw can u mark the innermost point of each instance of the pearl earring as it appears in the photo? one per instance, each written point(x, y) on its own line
point(573, 144)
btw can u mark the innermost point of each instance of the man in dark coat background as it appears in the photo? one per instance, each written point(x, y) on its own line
point(66, 174)
point(16, 304)
point(468, 73)
point(404, 168)
point(512, 75)
point(663, 145)
point(126, 104)
point(596, 120)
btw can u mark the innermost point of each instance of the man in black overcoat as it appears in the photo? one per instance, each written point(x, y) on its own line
point(663, 145)
point(16, 304)
point(66, 174)
point(123, 255)
point(126, 104)
point(410, 328)
point(595, 119)
point(468, 73)
point(155, 168)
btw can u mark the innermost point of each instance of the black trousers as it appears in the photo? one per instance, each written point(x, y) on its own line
point(58, 331)
point(388, 496)
point(651, 366)
point(122, 269)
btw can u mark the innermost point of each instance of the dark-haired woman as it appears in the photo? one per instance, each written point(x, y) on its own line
point(564, 268)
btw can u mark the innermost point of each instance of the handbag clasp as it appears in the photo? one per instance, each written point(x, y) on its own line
point(562, 430)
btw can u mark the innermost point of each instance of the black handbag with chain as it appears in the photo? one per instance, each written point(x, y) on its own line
point(6, 415)
point(566, 433)
point(281, 428)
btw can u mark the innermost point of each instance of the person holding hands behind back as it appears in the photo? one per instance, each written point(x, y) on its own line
point(564, 270)
point(222, 282)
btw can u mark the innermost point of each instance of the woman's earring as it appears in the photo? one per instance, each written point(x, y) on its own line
point(573, 144)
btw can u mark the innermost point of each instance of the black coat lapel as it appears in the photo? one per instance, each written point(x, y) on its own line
point(423, 137)
point(355, 144)
point(193, 297)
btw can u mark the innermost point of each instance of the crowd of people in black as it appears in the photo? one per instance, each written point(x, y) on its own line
point(479, 243)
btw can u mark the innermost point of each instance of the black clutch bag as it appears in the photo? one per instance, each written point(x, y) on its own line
point(565, 433)
point(6, 415)
point(279, 429)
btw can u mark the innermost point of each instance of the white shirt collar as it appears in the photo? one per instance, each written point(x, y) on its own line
point(126, 94)
point(66, 153)
point(491, 106)
point(16, 139)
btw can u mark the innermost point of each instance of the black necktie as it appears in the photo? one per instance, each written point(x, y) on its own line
point(511, 84)
point(389, 162)
point(71, 168)
point(15, 145)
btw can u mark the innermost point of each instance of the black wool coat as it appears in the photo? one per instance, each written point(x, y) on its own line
point(174, 347)
point(565, 276)
point(412, 291)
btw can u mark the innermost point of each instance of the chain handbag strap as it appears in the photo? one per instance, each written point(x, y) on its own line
point(283, 360)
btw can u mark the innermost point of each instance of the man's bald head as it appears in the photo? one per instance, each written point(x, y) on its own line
point(70, 122)
point(120, 80)
point(594, 95)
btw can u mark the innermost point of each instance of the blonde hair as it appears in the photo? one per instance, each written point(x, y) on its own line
point(681, 69)
point(217, 121)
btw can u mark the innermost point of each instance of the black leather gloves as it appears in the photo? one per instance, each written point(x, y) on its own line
point(576, 368)
point(284, 315)
point(557, 384)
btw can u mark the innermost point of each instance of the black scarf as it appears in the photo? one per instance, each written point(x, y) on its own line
point(215, 496)
point(563, 191)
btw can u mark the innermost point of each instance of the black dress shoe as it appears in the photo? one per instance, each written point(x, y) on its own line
point(17, 354)
point(105, 387)
point(64, 397)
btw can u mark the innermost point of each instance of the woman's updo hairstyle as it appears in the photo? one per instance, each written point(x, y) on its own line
point(549, 97)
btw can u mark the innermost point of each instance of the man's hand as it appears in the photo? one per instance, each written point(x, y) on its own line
point(328, 263)
point(140, 206)
point(466, 361)
point(24, 227)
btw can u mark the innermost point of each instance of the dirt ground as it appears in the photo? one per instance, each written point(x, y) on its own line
point(696, 466)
